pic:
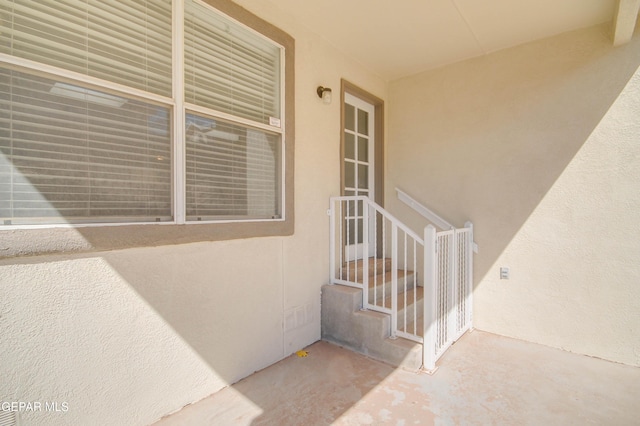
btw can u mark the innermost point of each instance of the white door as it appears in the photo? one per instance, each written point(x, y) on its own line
point(358, 171)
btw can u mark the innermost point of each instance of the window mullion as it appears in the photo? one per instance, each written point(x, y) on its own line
point(179, 117)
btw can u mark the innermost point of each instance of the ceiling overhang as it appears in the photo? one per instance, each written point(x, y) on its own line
point(405, 37)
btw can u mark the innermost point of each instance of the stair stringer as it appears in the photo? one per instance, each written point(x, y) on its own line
point(344, 323)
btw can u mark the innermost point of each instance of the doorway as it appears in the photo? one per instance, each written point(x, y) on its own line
point(361, 164)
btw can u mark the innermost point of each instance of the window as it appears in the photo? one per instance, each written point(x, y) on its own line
point(139, 112)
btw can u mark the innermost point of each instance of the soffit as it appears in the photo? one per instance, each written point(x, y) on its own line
point(398, 38)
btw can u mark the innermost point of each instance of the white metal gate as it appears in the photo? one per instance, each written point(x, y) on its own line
point(449, 280)
point(453, 287)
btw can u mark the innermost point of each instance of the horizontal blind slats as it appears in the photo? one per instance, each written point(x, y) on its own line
point(69, 159)
point(228, 68)
point(124, 42)
point(231, 171)
point(76, 154)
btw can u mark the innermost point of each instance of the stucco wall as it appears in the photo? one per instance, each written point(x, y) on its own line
point(129, 335)
point(539, 146)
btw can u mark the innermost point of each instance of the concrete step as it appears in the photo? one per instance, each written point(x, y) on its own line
point(380, 285)
point(353, 271)
point(406, 311)
point(411, 327)
point(366, 332)
point(384, 299)
point(380, 276)
point(414, 305)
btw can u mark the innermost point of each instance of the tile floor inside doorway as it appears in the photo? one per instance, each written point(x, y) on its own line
point(483, 379)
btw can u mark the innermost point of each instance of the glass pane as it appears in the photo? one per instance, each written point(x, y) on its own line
point(70, 154)
point(354, 231)
point(363, 176)
point(228, 67)
point(352, 206)
point(349, 117)
point(350, 226)
point(349, 174)
point(363, 149)
point(363, 122)
point(233, 171)
point(349, 146)
point(125, 42)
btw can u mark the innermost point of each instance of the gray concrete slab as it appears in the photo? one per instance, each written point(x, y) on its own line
point(483, 379)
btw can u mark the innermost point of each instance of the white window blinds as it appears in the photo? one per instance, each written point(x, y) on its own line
point(232, 171)
point(229, 68)
point(72, 154)
point(126, 42)
point(89, 123)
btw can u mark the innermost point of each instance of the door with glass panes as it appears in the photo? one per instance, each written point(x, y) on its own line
point(358, 171)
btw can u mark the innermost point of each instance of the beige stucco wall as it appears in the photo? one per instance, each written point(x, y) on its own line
point(539, 146)
point(129, 335)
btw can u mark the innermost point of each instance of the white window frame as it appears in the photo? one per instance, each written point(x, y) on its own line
point(178, 108)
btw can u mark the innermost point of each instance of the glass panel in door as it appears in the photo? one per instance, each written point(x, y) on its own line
point(358, 172)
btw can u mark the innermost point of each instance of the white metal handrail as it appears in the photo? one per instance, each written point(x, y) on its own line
point(428, 214)
point(373, 250)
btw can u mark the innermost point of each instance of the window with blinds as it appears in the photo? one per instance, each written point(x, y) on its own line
point(233, 169)
point(228, 67)
point(78, 146)
point(69, 153)
point(126, 42)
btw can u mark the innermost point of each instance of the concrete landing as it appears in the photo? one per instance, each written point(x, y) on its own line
point(483, 379)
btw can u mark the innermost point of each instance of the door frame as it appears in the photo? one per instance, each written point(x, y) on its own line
point(378, 143)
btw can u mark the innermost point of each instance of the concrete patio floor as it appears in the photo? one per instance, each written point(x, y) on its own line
point(483, 379)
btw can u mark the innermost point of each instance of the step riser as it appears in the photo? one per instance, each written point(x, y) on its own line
point(410, 327)
point(383, 291)
point(419, 306)
point(366, 332)
point(351, 270)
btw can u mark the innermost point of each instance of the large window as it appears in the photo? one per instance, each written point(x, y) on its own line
point(138, 111)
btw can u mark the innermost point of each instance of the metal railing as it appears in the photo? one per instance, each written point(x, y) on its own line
point(429, 214)
point(426, 212)
point(448, 313)
point(423, 283)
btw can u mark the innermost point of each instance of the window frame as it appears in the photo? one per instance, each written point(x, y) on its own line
point(51, 238)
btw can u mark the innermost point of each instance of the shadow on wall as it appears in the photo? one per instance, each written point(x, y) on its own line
point(500, 131)
point(125, 337)
point(229, 310)
point(495, 133)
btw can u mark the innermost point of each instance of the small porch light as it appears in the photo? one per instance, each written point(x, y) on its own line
point(325, 94)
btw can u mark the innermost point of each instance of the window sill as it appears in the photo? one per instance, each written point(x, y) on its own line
point(41, 241)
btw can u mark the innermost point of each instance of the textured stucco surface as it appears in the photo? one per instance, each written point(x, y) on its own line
point(76, 332)
point(129, 335)
point(539, 146)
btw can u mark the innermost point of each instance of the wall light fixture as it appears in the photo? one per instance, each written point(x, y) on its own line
point(325, 94)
